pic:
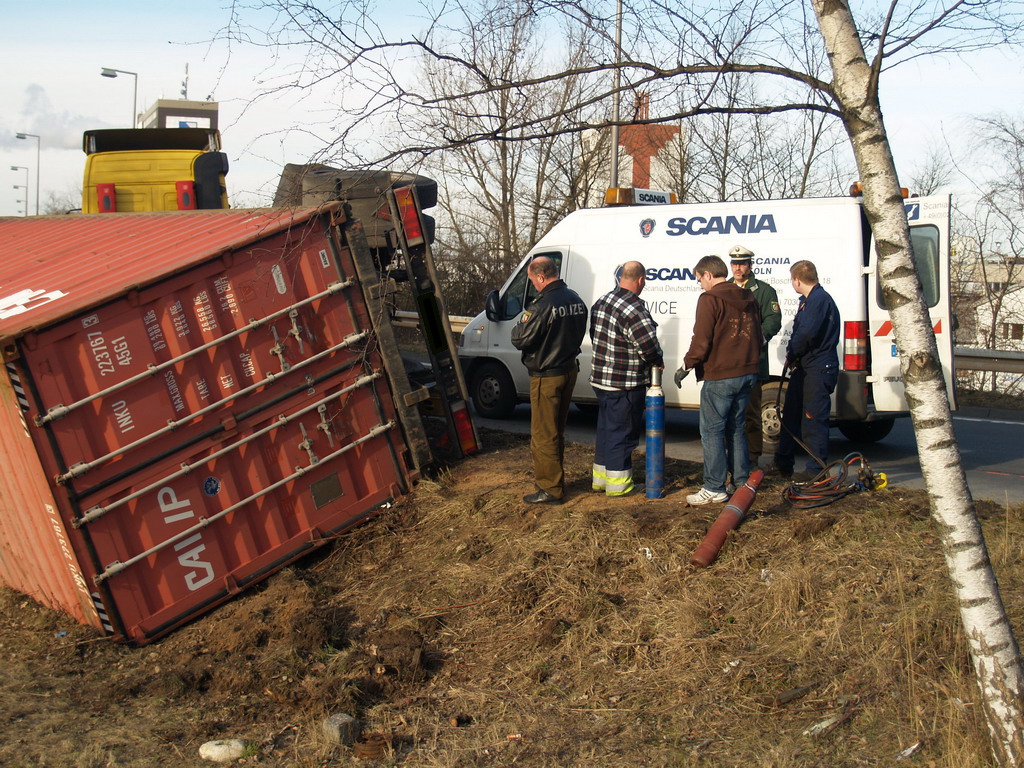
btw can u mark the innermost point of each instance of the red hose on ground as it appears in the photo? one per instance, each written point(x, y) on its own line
point(729, 518)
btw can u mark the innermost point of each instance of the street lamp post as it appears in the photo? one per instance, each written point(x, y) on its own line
point(38, 145)
point(615, 95)
point(111, 72)
point(22, 186)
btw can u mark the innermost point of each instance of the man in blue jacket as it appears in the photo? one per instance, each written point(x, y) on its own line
point(813, 361)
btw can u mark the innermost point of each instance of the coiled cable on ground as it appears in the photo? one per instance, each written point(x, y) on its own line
point(834, 482)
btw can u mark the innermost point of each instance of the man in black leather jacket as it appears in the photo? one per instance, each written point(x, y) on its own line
point(549, 334)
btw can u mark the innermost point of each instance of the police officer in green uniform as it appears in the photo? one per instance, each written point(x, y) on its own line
point(771, 322)
point(549, 334)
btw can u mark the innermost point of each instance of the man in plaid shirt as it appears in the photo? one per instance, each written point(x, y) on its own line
point(625, 342)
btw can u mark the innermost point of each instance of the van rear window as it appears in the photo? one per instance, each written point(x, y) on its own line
point(925, 242)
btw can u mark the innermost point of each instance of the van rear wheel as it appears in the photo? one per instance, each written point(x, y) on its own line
point(771, 417)
point(493, 391)
point(866, 431)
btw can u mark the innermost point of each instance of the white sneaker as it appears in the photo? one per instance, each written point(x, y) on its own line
point(704, 496)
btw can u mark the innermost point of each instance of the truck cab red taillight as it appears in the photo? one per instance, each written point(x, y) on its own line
point(464, 428)
point(410, 216)
point(106, 198)
point(186, 192)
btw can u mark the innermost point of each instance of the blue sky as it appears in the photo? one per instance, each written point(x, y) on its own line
point(52, 52)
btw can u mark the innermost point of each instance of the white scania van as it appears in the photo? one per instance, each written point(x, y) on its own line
point(670, 239)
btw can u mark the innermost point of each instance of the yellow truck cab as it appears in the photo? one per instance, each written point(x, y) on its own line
point(153, 169)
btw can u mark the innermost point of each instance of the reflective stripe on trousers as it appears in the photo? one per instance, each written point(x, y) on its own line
point(618, 482)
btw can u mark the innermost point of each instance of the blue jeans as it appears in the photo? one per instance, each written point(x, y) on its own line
point(723, 405)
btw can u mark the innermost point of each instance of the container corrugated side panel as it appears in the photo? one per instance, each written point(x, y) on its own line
point(149, 329)
point(35, 554)
point(214, 425)
point(197, 567)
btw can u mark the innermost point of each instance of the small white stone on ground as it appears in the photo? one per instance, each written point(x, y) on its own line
point(222, 750)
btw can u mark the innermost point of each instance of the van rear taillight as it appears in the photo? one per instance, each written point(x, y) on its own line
point(855, 345)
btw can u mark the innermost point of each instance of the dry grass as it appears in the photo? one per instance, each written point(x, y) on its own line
point(987, 399)
point(474, 630)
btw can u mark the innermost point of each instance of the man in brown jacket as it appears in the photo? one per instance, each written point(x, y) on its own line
point(725, 351)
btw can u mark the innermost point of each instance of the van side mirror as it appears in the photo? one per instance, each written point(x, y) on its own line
point(492, 307)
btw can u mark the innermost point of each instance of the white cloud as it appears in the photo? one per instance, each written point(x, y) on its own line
point(36, 114)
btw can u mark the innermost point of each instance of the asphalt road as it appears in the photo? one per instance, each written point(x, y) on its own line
point(991, 447)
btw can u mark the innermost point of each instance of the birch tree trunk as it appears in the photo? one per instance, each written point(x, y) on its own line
point(994, 649)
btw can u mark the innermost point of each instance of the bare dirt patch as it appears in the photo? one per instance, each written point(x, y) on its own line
point(470, 629)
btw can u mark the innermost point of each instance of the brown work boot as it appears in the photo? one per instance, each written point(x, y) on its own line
point(541, 497)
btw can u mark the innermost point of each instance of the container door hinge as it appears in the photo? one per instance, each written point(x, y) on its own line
point(52, 414)
point(76, 469)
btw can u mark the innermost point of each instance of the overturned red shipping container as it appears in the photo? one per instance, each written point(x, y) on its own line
point(190, 401)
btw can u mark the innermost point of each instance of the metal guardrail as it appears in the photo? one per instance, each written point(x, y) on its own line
point(411, 320)
point(974, 359)
point(459, 322)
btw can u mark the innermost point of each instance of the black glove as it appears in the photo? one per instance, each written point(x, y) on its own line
point(681, 374)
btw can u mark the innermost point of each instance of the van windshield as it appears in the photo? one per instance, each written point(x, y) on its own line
point(521, 293)
point(925, 242)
